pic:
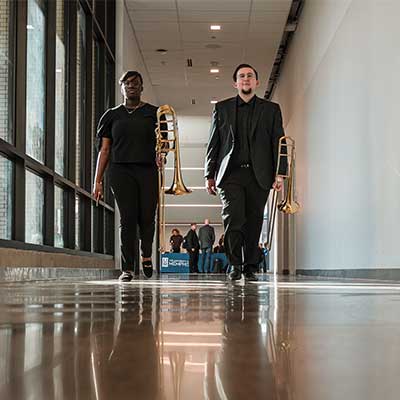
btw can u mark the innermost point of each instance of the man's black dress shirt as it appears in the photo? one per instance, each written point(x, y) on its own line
point(244, 115)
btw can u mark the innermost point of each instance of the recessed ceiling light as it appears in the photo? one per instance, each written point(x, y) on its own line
point(215, 27)
point(214, 101)
point(214, 70)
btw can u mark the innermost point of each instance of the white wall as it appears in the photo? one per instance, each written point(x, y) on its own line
point(339, 95)
point(193, 137)
point(128, 56)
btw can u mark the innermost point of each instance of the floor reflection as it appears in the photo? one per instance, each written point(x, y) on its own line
point(197, 338)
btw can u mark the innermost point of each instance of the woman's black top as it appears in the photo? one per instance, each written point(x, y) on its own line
point(176, 241)
point(132, 134)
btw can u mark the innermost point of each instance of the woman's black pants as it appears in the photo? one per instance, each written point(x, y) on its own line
point(135, 188)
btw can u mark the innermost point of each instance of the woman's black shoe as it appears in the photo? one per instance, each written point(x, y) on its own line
point(147, 268)
point(126, 276)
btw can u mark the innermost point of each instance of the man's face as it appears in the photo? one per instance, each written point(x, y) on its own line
point(206, 222)
point(246, 81)
point(194, 227)
point(132, 87)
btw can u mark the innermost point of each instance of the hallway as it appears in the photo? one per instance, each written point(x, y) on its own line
point(199, 338)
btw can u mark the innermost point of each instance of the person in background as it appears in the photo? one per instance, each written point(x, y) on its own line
point(220, 248)
point(207, 239)
point(192, 248)
point(176, 240)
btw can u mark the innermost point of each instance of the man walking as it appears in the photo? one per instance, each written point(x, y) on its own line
point(207, 239)
point(241, 162)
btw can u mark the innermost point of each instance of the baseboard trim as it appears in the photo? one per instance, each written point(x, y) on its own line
point(387, 274)
point(12, 274)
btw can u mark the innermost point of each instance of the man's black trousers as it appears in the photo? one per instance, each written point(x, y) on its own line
point(193, 260)
point(135, 188)
point(243, 203)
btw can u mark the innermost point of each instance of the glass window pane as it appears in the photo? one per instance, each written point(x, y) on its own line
point(80, 90)
point(34, 205)
point(109, 84)
point(94, 111)
point(60, 90)
point(58, 217)
point(109, 233)
point(6, 70)
point(36, 79)
point(77, 222)
point(6, 190)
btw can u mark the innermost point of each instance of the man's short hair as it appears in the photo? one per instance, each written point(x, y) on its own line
point(126, 75)
point(243, 66)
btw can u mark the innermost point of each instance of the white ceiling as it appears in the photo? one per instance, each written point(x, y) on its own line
point(251, 32)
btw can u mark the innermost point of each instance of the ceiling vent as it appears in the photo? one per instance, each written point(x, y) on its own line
point(189, 62)
point(212, 46)
point(193, 101)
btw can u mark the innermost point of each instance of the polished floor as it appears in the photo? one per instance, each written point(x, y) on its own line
point(200, 338)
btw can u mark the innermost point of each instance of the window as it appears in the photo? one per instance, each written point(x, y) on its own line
point(80, 91)
point(55, 83)
point(77, 222)
point(34, 205)
point(6, 190)
point(58, 217)
point(36, 79)
point(6, 70)
point(59, 140)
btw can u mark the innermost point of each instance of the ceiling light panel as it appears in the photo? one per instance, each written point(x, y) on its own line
point(151, 5)
point(210, 6)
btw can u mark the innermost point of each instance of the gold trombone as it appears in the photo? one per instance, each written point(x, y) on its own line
point(286, 149)
point(167, 140)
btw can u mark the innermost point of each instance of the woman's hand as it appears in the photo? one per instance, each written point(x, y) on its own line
point(161, 159)
point(98, 191)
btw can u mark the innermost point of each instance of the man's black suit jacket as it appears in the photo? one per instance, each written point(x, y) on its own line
point(266, 129)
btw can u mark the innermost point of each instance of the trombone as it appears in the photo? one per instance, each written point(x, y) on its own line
point(167, 140)
point(286, 149)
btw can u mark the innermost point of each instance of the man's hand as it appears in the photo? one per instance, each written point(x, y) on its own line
point(210, 187)
point(278, 184)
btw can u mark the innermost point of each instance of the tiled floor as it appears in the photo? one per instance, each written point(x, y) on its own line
point(200, 338)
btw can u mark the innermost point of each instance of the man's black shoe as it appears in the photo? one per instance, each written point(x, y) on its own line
point(236, 273)
point(147, 267)
point(250, 276)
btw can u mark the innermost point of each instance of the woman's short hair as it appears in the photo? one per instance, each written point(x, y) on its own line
point(126, 75)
